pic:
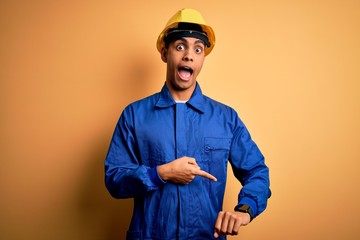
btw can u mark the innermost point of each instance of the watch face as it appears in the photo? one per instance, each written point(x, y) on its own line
point(244, 208)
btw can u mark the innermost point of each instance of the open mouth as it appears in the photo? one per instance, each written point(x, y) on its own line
point(185, 72)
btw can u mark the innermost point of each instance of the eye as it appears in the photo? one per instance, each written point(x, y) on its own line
point(180, 47)
point(199, 50)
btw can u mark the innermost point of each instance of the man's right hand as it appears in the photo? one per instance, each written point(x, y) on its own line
point(182, 170)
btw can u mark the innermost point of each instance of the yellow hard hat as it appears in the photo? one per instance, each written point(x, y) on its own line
point(191, 16)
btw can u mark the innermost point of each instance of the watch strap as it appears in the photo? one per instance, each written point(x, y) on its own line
point(245, 209)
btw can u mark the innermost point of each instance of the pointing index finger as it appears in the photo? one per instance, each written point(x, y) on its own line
point(206, 175)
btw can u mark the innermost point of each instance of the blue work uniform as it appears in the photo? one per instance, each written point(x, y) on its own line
point(156, 130)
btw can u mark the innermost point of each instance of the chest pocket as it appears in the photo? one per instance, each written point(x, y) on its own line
point(217, 149)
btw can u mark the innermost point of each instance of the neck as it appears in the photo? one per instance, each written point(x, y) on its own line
point(180, 94)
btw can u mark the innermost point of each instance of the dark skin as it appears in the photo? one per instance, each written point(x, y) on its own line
point(189, 53)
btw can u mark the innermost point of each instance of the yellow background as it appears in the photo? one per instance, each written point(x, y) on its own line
point(67, 69)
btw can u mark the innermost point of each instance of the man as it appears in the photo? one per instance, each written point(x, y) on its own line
point(170, 150)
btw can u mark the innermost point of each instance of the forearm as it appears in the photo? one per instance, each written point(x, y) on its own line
point(127, 183)
point(256, 191)
point(250, 169)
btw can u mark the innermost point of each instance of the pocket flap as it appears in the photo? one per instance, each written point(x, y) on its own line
point(212, 143)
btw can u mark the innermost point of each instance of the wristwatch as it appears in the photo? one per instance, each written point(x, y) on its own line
point(245, 209)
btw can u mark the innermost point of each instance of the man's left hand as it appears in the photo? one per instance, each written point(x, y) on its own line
point(229, 223)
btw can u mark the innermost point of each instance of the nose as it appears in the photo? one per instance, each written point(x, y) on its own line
point(188, 56)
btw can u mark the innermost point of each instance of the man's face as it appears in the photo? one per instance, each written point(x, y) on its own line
point(184, 58)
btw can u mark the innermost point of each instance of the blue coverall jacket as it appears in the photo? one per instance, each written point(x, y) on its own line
point(156, 130)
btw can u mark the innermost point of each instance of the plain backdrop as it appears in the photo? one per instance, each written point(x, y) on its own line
point(291, 69)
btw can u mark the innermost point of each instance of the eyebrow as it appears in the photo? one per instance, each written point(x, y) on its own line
point(196, 42)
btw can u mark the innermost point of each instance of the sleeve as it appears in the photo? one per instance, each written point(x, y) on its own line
point(125, 177)
point(249, 168)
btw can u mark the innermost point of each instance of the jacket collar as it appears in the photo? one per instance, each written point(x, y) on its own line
point(196, 101)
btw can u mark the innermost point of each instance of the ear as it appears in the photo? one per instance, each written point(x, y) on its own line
point(164, 55)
